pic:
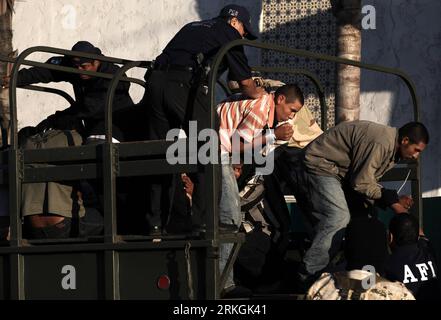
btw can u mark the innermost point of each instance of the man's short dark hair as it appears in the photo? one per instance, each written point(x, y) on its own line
point(415, 131)
point(404, 229)
point(292, 92)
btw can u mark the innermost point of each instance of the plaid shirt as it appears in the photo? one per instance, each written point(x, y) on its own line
point(245, 117)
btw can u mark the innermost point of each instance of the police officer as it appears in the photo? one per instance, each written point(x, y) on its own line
point(176, 92)
point(90, 92)
point(413, 260)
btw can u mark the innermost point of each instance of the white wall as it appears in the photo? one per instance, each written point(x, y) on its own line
point(132, 29)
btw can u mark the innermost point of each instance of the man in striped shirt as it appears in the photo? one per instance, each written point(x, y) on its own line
point(242, 124)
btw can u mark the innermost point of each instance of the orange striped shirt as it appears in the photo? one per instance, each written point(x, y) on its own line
point(245, 117)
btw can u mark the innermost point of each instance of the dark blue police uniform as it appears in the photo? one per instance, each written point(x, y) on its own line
point(90, 95)
point(176, 93)
point(415, 266)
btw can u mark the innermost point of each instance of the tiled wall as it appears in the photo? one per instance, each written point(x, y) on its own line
point(307, 25)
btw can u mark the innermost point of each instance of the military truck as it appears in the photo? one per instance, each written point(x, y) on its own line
point(115, 266)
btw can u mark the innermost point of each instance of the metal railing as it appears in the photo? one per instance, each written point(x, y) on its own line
point(396, 174)
point(88, 162)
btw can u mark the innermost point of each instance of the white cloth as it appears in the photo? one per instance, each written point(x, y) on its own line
point(305, 129)
point(348, 285)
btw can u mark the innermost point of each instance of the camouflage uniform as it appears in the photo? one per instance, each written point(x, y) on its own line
point(348, 285)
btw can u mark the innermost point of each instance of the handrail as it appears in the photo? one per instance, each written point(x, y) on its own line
point(303, 53)
point(306, 73)
point(59, 92)
point(313, 79)
point(77, 71)
point(110, 161)
point(117, 77)
point(15, 155)
point(20, 60)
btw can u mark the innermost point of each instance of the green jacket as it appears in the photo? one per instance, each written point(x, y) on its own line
point(356, 152)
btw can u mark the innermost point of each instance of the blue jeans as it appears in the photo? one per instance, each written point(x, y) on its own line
point(330, 215)
point(229, 205)
point(229, 213)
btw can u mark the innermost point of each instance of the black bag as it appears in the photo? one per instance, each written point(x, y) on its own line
point(253, 254)
point(263, 250)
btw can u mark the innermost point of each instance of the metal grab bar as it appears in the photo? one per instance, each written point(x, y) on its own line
point(214, 188)
point(20, 60)
point(314, 80)
point(307, 54)
point(59, 92)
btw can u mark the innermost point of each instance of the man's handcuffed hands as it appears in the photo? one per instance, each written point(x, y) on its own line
point(284, 132)
point(403, 205)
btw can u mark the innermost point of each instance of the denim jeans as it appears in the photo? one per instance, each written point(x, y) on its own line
point(229, 205)
point(330, 215)
point(229, 213)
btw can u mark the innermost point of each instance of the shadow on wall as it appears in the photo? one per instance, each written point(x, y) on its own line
point(407, 36)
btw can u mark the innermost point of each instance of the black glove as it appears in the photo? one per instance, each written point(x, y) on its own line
point(60, 121)
point(46, 124)
point(65, 121)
